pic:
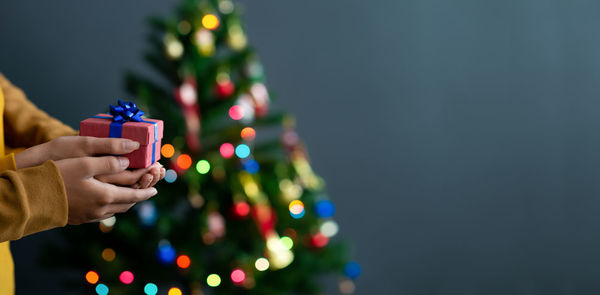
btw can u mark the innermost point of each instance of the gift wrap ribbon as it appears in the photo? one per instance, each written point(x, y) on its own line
point(127, 112)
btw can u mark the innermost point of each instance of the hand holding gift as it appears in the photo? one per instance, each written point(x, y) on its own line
point(126, 121)
point(84, 146)
point(93, 181)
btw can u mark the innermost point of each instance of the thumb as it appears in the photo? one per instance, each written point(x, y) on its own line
point(104, 165)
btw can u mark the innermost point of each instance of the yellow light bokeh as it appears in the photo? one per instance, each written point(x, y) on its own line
point(296, 207)
point(167, 150)
point(108, 254)
point(213, 280)
point(210, 21)
point(174, 291)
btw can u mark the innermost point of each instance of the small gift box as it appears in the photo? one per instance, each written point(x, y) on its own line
point(126, 121)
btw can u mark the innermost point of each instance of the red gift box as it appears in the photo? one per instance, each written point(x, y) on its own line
point(148, 133)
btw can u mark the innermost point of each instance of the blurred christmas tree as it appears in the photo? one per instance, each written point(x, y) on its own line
point(240, 210)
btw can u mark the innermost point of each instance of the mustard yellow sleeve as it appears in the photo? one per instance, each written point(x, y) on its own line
point(31, 199)
point(7, 162)
point(24, 124)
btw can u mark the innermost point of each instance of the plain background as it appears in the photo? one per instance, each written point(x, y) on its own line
point(459, 139)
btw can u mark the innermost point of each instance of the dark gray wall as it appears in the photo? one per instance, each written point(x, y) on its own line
point(459, 139)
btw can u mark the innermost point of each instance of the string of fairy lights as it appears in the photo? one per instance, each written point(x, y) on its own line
point(247, 105)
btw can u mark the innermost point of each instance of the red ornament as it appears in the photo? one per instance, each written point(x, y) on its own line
point(224, 89)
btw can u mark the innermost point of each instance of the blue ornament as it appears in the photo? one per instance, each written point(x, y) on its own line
point(324, 208)
point(352, 269)
point(251, 166)
point(166, 253)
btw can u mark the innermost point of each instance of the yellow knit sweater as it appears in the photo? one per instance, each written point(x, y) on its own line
point(31, 199)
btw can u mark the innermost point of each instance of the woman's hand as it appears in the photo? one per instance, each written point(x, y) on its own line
point(73, 147)
point(67, 147)
point(139, 178)
point(92, 200)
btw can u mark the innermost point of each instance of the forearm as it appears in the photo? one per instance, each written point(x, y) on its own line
point(31, 200)
point(24, 124)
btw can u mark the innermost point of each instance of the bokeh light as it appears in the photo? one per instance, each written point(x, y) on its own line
point(324, 208)
point(183, 261)
point(320, 240)
point(352, 269)
point(184, 161)
point(347, 287)
point(108, 254)
point(329, 228)
point(251, 166)
point(242, 151)
point(287, 242)
point(166, 253)
point(261, 264)
point(109, 222)
point(170, 176)
point(238, 276)
point(226, 150)
point(296, 209)
point(226, 6)
point(248, 134)
point(213, 280)
point(210, 21)
point(173, 47)
point(150, 289)
point(167, 150)
point(174, 291)
point(126, 277)
point(202, 166)
point(102, 289)
point(241, 209)
point(184, 27)
point(92, 277)
point(147, 212)
point(236, 112)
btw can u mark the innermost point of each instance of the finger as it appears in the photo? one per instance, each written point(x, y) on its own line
point(155, 167)
point(92, 166)
point(119, 208)
point(125, 177)
point(163, 171)
point(155, 176)
point(123, 195)
point(145, 181)
point(107, 146)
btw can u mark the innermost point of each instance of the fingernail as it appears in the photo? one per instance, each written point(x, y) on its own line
point(131, 145)
point(124, 162)
point(154, 191)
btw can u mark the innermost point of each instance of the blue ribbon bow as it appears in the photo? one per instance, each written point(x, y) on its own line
point(126, 111)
